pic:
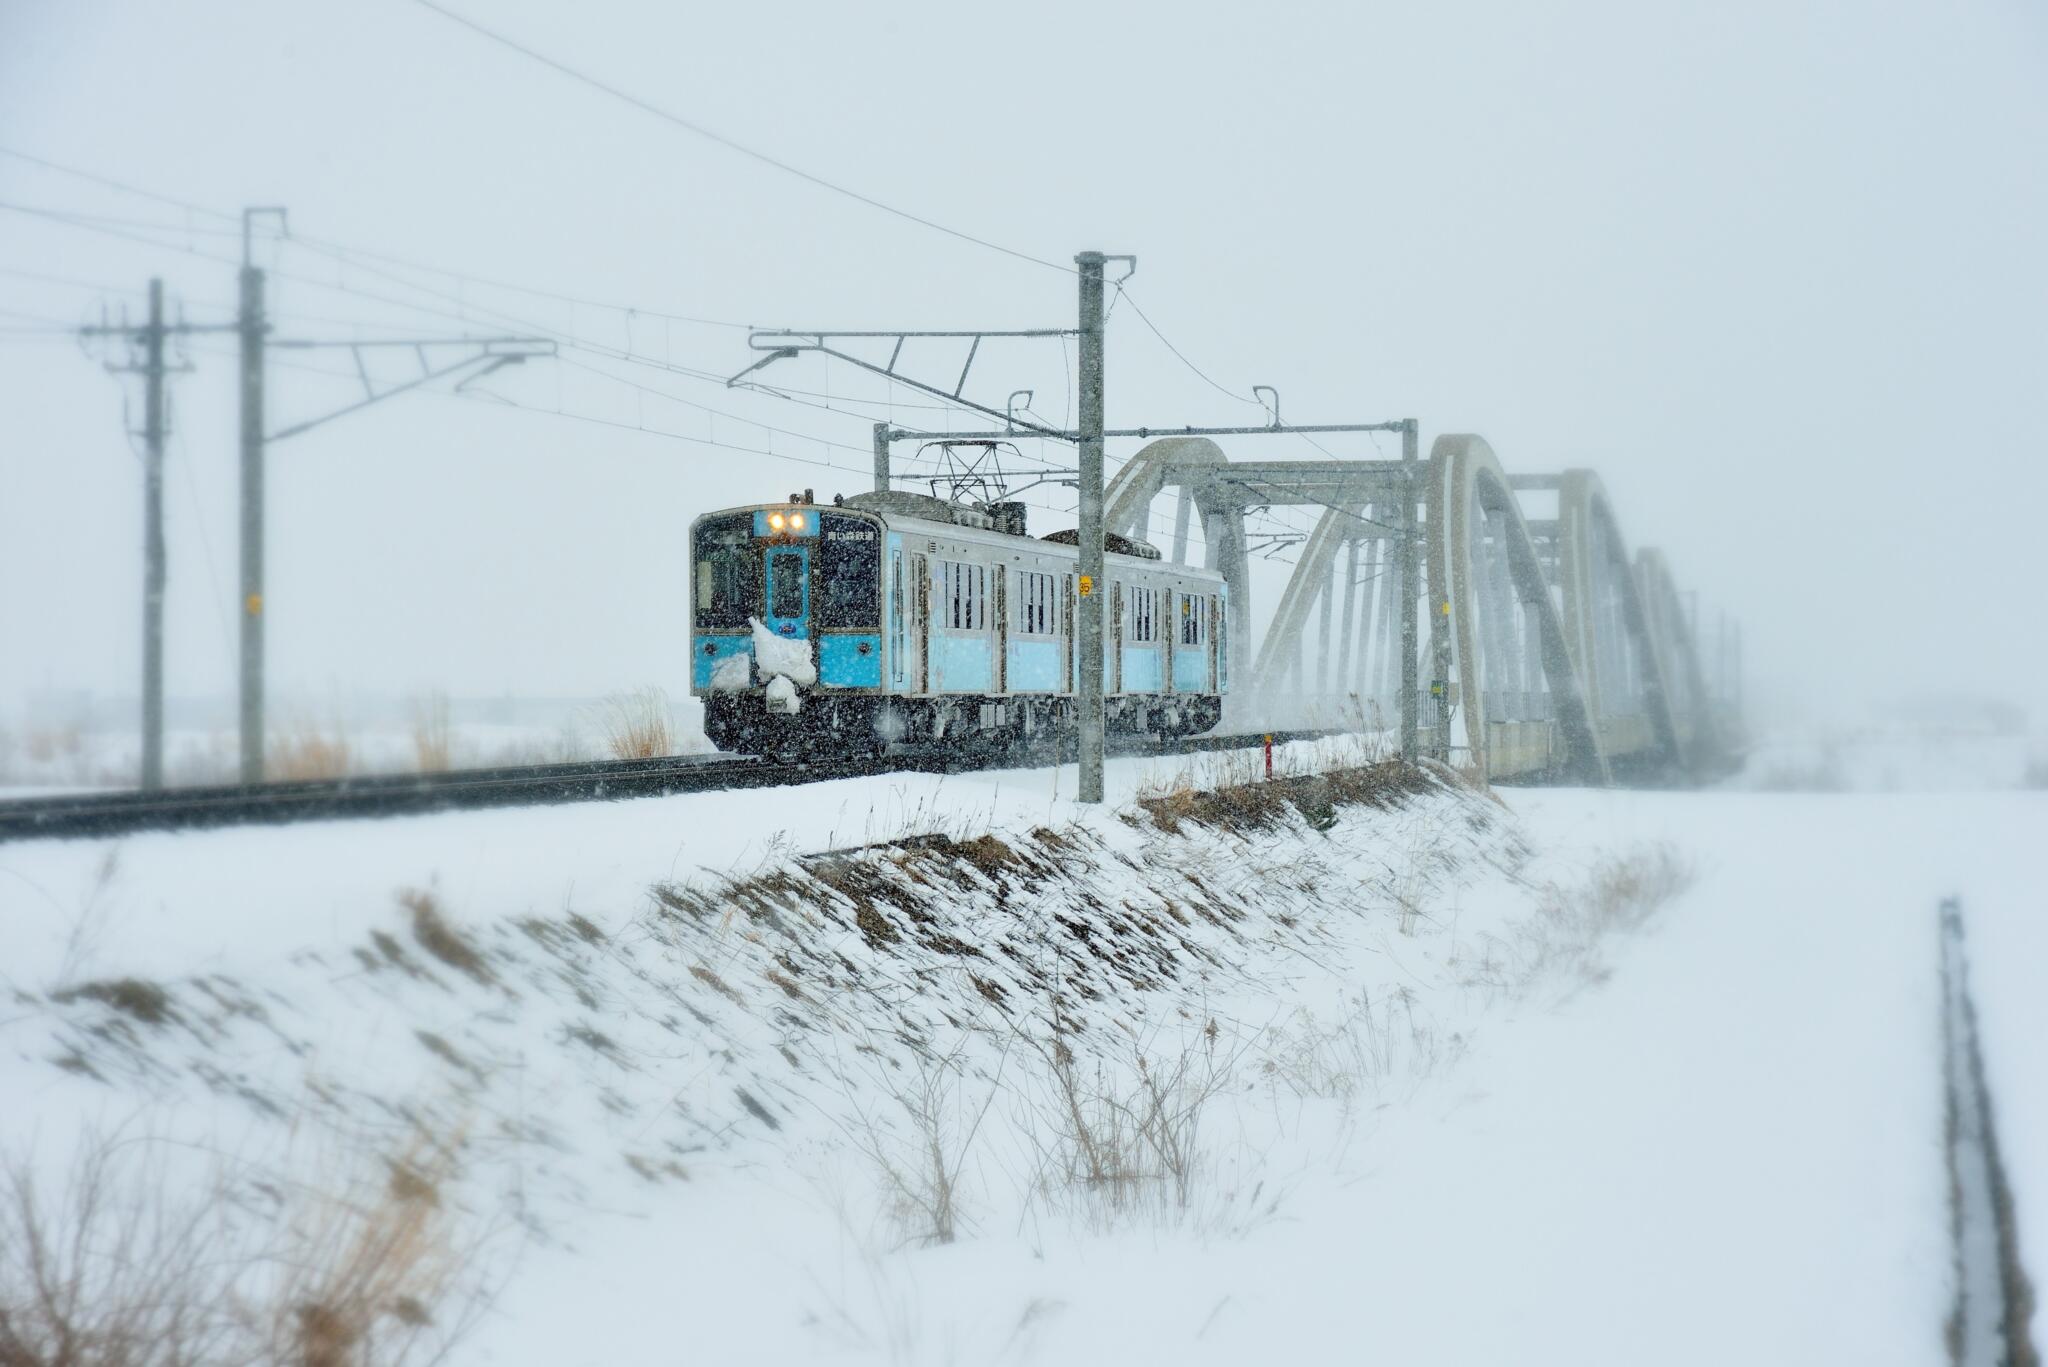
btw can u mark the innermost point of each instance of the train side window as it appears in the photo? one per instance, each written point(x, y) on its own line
point(963, 595)
point(848, 569)
point(1194, 619)
point(1034, 615)
point(728, 573)
point(1143, 615)
point(786, 585)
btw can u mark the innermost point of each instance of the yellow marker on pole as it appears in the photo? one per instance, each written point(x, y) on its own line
point(254, 605)
point(1087, 585)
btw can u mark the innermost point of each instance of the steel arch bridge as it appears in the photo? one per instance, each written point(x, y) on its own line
point(1500, 617)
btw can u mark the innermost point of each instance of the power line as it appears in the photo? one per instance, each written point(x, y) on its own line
point(84, 221)
point(473, 397)
point(361, 257)
point(340, 251)
point(467, 310)
point(358, 256)
point(45, 278)
point(53, 324)
point(714, 412)
point(701, 131)
point(1179, 354)
point(113, 184)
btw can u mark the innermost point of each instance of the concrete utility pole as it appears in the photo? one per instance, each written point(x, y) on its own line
point(251, 325)
point(881, 457)
point(1409, 587)
point(150, 337)
point(1090, 585)
point(153, 545)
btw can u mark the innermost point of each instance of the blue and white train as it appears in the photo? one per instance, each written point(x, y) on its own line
point(894, 617)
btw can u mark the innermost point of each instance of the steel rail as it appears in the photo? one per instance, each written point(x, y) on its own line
point(87, 815)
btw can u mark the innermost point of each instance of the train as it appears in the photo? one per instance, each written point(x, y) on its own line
point(896, 619)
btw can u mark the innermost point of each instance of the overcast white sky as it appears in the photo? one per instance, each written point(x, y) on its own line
point(1777, 271)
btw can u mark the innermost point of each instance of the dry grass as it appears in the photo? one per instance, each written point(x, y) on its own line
point(1235, 802)
point(129, 1263)
point(636, 724)
point(433, 743)
point(307, 752)
point(1561, 943)
point(923, 1177)
point(367, 1270)
point(1123, 1137)
point(440, 939)
point(48, 744)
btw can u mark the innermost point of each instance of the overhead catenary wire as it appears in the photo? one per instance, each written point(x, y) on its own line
point(110, 183)
point(465, 308)
point(691, 126)
point(469, 310)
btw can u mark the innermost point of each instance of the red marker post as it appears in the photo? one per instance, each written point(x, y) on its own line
point(1269, 754)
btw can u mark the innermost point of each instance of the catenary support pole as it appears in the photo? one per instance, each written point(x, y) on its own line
point(153, 544)
point(1088, 702)
point(881, 457)
point(1347, 677)
point(1409, 587)
point(252, 329)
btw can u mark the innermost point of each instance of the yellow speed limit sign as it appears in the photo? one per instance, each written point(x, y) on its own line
point(1087, 585)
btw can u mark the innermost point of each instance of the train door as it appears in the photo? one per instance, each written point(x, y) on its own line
point(921, 624)
point(999, 673)
point(899, 624)
point(789, 591)
point(1073, 684)
point(1116, 639)
point(1167, 631)
point(1215, 601)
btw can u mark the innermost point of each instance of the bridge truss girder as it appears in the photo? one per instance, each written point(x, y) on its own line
point(1550, 651)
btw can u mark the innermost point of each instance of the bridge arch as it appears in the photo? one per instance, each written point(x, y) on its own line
point(1606, 627)
point(1691, 708)
point(1483, 565)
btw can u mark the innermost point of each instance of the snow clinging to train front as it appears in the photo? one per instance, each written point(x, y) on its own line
point(775, 655)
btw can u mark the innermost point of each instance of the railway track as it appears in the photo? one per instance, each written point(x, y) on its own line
point(83, 815)
point(1990, 1321)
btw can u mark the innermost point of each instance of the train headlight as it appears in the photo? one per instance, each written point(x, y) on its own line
point(796, 520)
point(775, 520)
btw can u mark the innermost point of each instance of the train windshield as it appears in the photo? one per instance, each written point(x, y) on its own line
point(728, 573)
point(849, 572)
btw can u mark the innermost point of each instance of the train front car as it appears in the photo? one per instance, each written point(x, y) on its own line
point(786, 643)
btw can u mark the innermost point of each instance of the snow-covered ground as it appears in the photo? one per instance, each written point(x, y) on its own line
point(1439, 1118)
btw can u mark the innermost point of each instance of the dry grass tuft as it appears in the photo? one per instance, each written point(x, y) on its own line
point(1247, 806)
point(1124, 1138)
point(145, 1001)
point(433, 743)
point(123, 1264)
point(636, 724)
point(46, 744)
point(368, 1269)
point(442, 940)
point(1562, 942)
point(306, 752)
